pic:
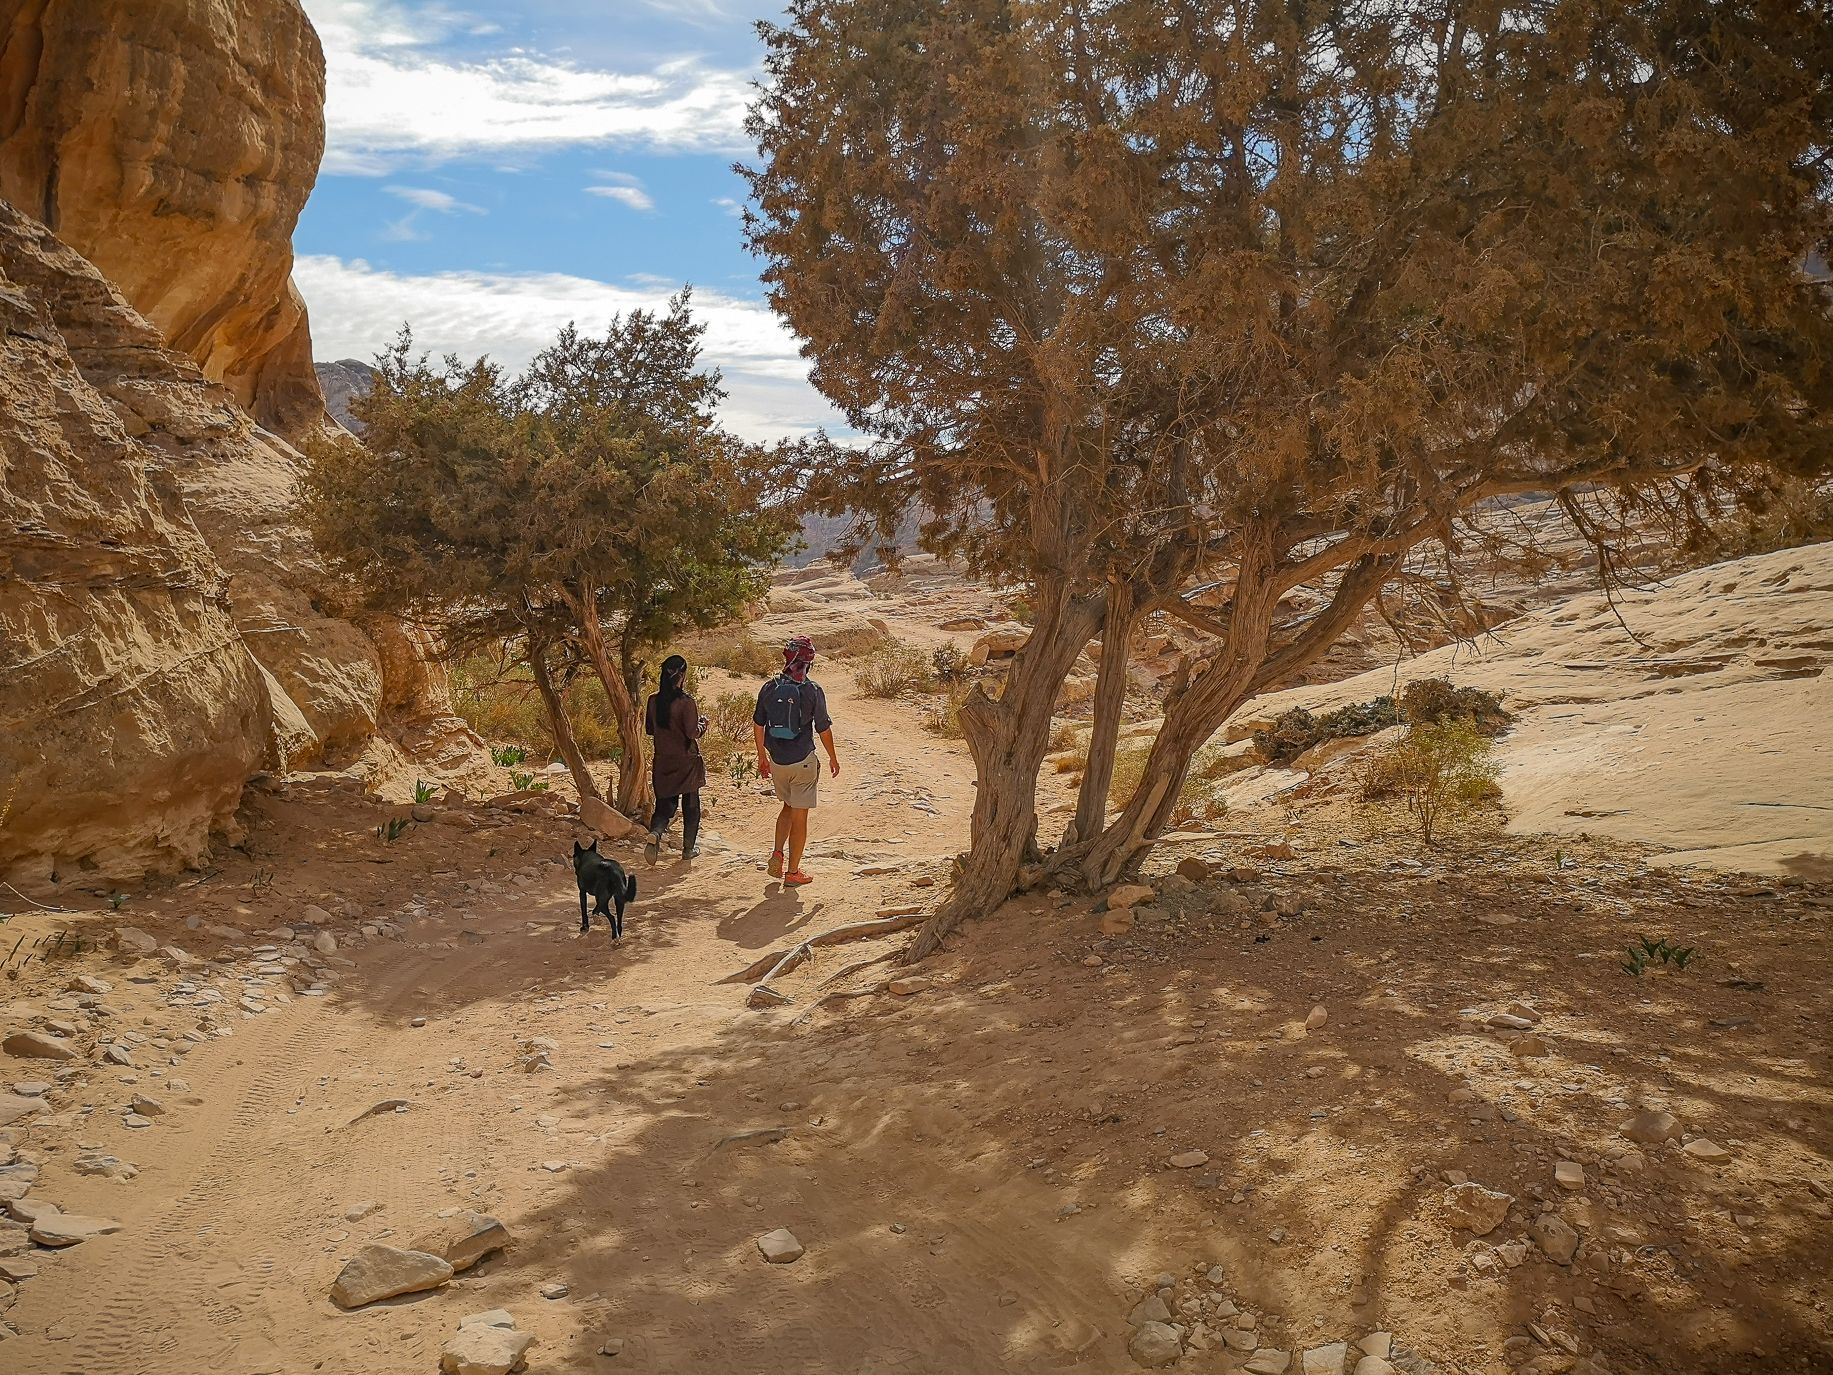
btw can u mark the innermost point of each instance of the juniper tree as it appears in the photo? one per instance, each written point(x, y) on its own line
point(595, 502)
point(1136, 295)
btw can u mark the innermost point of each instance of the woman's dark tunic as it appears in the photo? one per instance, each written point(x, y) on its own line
point(676, 766)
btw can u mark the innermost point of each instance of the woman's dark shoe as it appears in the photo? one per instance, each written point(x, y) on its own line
point(652, 847)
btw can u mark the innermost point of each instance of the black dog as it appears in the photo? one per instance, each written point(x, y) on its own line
point(607, 883)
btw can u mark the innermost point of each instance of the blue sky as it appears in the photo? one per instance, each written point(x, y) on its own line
point(494, 170)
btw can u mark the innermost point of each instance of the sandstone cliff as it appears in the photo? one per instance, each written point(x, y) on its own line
point(130, 709)
point(157, 603)
point(173, 144)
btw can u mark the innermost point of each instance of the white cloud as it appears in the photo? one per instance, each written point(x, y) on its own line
point(633, 196)
point(356, 309)
point(404, 230)
point(730, 206)
point(425, 198)
point(390, 96)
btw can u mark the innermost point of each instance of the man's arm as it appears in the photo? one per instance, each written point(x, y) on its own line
point(833, 760)
point(763, 755)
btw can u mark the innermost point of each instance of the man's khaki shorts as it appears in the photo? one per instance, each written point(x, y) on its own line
point(795, 783)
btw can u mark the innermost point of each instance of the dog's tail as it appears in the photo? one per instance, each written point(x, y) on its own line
point(630, 888)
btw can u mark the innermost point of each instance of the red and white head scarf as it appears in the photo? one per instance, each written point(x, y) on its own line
point(798, 654)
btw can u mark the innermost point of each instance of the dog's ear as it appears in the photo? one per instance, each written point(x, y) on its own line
point(578, 849)
point(594, 845)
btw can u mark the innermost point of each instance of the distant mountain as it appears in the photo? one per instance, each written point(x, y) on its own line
point(342, 382)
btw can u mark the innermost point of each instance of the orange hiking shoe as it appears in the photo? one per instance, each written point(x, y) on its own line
point(796, 878)
point(775, 867)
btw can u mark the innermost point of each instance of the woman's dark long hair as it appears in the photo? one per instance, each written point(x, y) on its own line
point(674, 672)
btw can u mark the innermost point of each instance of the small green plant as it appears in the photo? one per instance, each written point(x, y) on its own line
point(423, 791)
point(893, 671)
point(741, 768)
point(1439, 772)
point(1646, 952)
point(507, 756)
point(117, 900)
point(261, 882)
point(525, 782)
point(391, 829)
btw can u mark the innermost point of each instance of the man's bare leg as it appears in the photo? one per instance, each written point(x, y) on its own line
point(783, 820)
point(798, 837)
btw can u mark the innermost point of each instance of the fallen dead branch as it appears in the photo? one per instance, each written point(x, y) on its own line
point(779, 963)
point(835, 996)
point(760, 1136)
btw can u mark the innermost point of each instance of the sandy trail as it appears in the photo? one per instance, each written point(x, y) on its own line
point(982, 1174)
point(236, 1227)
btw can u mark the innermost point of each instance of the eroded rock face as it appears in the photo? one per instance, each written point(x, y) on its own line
point(130, 709)
point(173, 145)
point(162, 637)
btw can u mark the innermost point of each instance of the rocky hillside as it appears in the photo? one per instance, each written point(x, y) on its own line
point(162, 634)
point(1696, 716)
point(173, 145)
point(343, 382)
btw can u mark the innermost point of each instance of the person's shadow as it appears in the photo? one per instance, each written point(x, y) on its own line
point(780, 913)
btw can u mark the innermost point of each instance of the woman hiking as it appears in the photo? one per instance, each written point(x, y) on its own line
point(675, 723)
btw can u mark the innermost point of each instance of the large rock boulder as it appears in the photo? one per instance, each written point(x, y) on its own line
point(173, 144)
point(380, 1272)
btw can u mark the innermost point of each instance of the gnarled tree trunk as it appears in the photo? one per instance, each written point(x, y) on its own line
point(1192, 715)
point(1008, 739)
point(557, 717)
point(630, 776)
point(1110, 698)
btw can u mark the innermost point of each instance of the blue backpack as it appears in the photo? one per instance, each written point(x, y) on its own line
point(783, 708)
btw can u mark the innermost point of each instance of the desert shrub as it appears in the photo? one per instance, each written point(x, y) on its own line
point(943, 716)
point(1064, 735)
point(741, 653)
point(1439, 772)
point(1429, 701)
point(728, 731)
point(947, 664)
point(892, 671)
point(1298, 730)
point(1199, 797)
point(1129, 768)
point(497, 699)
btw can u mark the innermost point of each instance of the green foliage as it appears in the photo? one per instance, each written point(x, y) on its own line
point(1428, 701)
point(1647, 952)
point(741, 769)
point(117, 900)
point(505, 755)
point(1298, 730)
point(526, 783)
point(1439, 772)
point(391, 829)
point(594, 501)
point(424, 791)
point(893, 671)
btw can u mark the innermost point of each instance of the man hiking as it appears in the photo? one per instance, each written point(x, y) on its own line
point(791, 712)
